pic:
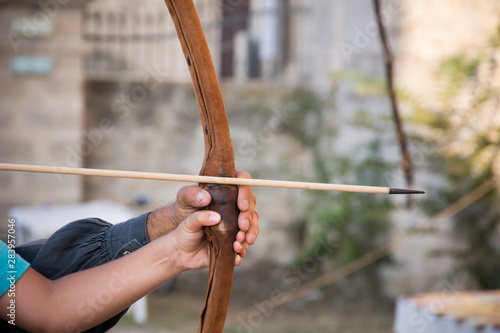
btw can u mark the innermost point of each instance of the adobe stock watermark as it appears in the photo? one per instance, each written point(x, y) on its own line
point(461, 117)
point(225, 6)
point(483, 90)
point(11, 271)
point(29, 28)
point(363, 36)
point(423, 151)
point(249, 149)
point(448, 294)
point(91, 306)
point(292, 279)
point(122, 107)
point(420, 153)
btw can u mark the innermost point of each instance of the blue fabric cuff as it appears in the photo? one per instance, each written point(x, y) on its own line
point(134, 230)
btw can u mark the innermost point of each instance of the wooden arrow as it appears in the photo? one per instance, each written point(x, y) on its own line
point(206, 179)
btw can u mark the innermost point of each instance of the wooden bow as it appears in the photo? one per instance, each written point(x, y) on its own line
point(218, 161)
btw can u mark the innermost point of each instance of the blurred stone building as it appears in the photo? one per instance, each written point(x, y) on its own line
point(42, 101)
point(104, 84)
point(49, 52)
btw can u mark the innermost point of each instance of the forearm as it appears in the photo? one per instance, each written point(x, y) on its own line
point(87, 298)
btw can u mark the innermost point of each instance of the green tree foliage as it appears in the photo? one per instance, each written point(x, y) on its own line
point(347, 225)
point(464, 133)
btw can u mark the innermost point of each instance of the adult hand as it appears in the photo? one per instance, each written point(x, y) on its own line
point(193, 198)
point(190, 248)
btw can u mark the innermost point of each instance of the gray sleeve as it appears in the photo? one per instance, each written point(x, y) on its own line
point(80, 245)
point(88, 243)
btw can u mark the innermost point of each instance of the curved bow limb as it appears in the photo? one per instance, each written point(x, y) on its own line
point(218, 161)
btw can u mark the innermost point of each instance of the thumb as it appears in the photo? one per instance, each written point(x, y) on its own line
point(196, 221)
point(189, 234)
point(191, 197)
point(189, 200)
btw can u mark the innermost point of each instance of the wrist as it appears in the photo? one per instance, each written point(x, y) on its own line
point(160, 222)
point(166, 256)
point(171, 254)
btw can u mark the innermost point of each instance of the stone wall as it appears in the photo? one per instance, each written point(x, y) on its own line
point(40, 114)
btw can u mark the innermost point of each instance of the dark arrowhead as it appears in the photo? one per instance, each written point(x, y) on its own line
point(404, 191)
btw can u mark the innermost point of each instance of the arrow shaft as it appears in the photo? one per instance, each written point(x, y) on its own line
point(194, 179)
